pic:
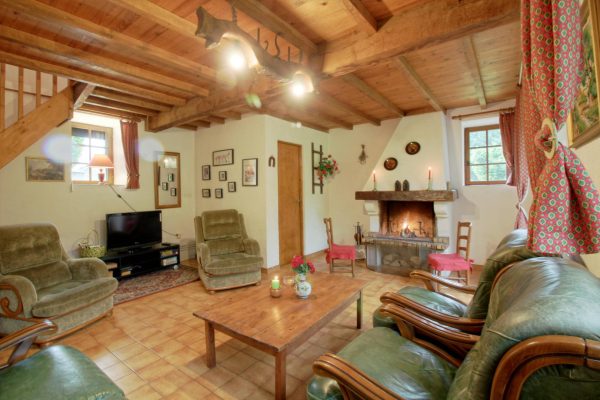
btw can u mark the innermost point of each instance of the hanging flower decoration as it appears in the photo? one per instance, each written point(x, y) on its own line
point(327, 167)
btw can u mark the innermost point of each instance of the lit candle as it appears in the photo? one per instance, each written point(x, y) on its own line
point(429, 173)
point(275, 283)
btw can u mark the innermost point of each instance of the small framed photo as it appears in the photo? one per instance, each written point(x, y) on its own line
point(165, 185)
point(173, 192)
point(205, 193)
point(250, 172)
point(218, 193)
point(171, 177)
point(222, 175)
point(206, 172)
point(231, 186)
point(39, 169)
point(222, 157)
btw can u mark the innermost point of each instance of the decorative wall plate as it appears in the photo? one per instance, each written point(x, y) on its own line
point(412, 148)
point(390, 163)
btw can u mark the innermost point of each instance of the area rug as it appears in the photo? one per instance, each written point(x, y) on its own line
point(140, 286)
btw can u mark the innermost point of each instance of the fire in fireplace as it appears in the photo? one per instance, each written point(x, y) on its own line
point(408, 219)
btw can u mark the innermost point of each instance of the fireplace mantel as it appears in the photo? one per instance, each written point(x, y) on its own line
point(411, 195)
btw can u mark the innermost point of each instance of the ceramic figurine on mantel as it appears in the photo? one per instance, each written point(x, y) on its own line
point(405, 186)
point(398, 186)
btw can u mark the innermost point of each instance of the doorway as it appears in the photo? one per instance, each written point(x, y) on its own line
point(291, 221)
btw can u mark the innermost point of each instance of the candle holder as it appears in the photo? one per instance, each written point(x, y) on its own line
point(275, 292)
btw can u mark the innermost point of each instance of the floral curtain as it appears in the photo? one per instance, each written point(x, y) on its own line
point(129, 136)
point(521, 174)
point(565, 214)
point(507, 132)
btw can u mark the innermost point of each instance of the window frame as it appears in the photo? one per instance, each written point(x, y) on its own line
point(467, 155)
point(108, 131)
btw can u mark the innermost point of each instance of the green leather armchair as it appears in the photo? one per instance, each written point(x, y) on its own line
point(56, 372)
point(541, 340)
point(39, 281)
point(227, 257)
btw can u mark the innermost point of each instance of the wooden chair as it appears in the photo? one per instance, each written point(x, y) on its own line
point(338, 252)
point(459, 261)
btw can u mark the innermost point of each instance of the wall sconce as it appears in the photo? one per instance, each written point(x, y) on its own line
point(101, 161)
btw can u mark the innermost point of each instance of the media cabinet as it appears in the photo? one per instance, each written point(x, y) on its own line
point(141, 261)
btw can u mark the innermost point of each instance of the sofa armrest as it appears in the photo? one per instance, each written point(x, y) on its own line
point(17, 296)
point(353, 382)
point(87, 269)
point(251, 247)
point(22, 341)
point(429, 279)
point(470, 325)
point(203, 254)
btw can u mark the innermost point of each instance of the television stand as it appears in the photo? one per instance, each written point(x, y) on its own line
point(141, 261)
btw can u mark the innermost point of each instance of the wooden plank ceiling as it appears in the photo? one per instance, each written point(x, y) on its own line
point(374, 59)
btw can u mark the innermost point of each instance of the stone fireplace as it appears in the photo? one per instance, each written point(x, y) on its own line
point(405, 227)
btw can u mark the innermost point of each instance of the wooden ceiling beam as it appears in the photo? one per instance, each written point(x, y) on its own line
point(229, 115)
point(189, 127)
point(267, 18)
point(215, 119)
point(76, 28)
point(417, 27)
point(81, 92)
point(129, 99)
point(321, 116)
point(418, 83)
point(373, 93)
point(81, 58)
point(201, 123)
point(49, 68)
point(335, 103)
point(111, 112)
point(286, 116)
point(98, 101)
point(473, 66)
point(365, 21)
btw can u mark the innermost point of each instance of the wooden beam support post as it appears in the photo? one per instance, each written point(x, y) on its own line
point(418, 83)
point(38, 88)
point(20, 97)
point(361, 15)
point(81, 91)
point(473, 65)
point(373, 93)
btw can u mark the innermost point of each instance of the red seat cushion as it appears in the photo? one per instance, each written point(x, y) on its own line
point(340, 252)
point(448, 262)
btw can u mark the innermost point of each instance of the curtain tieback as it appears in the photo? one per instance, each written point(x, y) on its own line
point(552, 139)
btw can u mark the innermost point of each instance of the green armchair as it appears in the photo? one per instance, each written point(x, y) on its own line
point(39, 281)
point(540, 340)
point(57, 372)
point(227, 258)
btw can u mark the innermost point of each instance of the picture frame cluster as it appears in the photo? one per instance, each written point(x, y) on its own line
point(223, 158)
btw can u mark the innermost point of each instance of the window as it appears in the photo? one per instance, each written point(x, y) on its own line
point(86, 141)
point(484, 159)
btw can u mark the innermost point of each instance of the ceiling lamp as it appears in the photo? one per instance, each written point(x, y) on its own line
point(248, 51)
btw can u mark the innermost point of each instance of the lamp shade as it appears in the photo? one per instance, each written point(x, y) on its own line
point(101, 161)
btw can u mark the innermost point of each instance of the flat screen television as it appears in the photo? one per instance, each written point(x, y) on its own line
point(131, 230)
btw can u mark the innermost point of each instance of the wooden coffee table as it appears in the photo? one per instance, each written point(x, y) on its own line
point(277, 326)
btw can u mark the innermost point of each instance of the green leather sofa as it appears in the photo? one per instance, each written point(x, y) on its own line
point(541, 340)
point(56, 372)
point(449, 310)
point(227, 258)
point(39, 281)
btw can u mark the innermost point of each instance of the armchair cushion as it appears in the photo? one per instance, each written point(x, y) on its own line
point(83, 269)
point(234, 263)
point(58, 372)
point(225, 246)
point(221, 224)
point(395, 362)
point(70, 296)
point(46, 275)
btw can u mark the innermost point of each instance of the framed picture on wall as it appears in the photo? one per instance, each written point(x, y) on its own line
point(250, 172)
point(222, 157)
point(174, 192)
point(40, 169)
point(165, 185)
point(206, 172)
point(231, 186)
point(222, 175)
point(218, 193)
point(205, 192)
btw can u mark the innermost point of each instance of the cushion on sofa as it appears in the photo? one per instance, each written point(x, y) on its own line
point(398, 364)
point(47, 275)
point(58, 372)
point(72, 295)
point(28, 245)
point(234, 263)
point(221, 224)
point(225, 246)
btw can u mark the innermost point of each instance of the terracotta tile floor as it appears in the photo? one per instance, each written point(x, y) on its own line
point(153, 347)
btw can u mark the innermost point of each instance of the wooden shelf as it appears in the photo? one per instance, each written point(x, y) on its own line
point(411, 195)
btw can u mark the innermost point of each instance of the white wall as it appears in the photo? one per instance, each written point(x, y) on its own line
point(76, 209)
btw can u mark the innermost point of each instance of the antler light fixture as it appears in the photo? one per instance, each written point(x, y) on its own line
point(244, 50)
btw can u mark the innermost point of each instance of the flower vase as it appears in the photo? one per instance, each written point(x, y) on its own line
point(303, 286)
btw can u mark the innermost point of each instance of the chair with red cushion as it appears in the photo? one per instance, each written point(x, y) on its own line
point(459, 261)
point(338, 252)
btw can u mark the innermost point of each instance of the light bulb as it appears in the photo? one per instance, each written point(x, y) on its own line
point(236, 59)
point(298, 89)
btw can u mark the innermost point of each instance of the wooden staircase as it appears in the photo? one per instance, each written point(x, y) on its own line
point(49, 110)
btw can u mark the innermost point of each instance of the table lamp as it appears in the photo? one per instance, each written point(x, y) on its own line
point(101, 161)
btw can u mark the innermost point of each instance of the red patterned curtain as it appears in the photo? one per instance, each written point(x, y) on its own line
point(129, 136)
point(507, 132)
point(521, 174)
point(565, 214)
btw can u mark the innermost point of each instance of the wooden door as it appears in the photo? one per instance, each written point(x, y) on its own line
point(291, 227)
